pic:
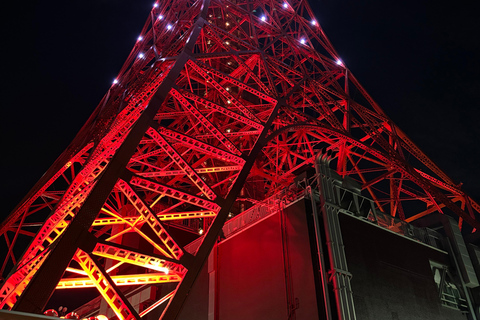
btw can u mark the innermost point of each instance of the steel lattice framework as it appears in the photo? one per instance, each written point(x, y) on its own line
point(217, 107)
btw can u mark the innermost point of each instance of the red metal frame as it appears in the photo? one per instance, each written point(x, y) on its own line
point(213, 103)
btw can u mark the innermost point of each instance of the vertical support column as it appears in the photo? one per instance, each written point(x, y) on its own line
point(290, 295)
point(212, 284)
point(210, 238)
point(35, 297)
point(339, 275)
point(320, 254)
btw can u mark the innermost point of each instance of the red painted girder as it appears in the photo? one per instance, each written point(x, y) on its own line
point(16, 283)
point(231, 134)
point(55, 224)
point(230, 99)
point(50, 231)
point(422, 157)
point(259, 24)
point(203, 68)
point(396, 205)
point(327, 112)
point(167, 173)
point(184, 166)
point(106, 287)
point(142, 95)
point(205, 122)
point(409, 145)
point(244, 45)
point(247, 65)
point(174, 193)
point(23, 209)
point(408, 171)
point(223, 110)
point(439, 183)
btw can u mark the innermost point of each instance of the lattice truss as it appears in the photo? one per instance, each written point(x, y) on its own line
point(219, 100)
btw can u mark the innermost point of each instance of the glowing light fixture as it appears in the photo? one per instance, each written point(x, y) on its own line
point(285, 5)
point(155, 5)
point(162, 269)
point(141, 55)
point(313, 22)
point(169, 27)
point(339, 62)
point(139, 38)
point(200, 231)
point(51, 313)
point(302, 41)
point(115, 81)
point(160, 17)
point(263, 18)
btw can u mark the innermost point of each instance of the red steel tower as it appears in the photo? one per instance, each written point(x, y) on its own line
point(218, 106)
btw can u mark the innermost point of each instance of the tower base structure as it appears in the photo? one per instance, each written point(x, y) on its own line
point(320, 250)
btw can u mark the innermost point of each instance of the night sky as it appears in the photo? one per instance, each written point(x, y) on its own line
point(419, 62)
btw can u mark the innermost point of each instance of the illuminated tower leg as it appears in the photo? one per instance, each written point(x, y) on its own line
point(46, 278)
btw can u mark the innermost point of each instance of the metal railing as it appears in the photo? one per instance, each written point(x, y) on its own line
point(259, 211)
point(361, 207)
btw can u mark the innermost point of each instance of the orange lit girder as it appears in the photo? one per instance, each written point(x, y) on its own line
point(55, 225)
point(16, 283)
point(106, 286)
point(174, 193)
point(162, 216)
point(28, 208)
point(152, 220)
point(111, 251)
point(122, 280)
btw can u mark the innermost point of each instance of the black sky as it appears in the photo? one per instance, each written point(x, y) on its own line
point(418, 59)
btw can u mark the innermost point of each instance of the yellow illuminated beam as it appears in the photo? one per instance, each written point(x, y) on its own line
point(139, 259)
point(165, 173)
point(98, 278)
point(163, 217)
point(123, 280)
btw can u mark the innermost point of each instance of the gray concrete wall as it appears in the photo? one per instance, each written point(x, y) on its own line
point(392, 278)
